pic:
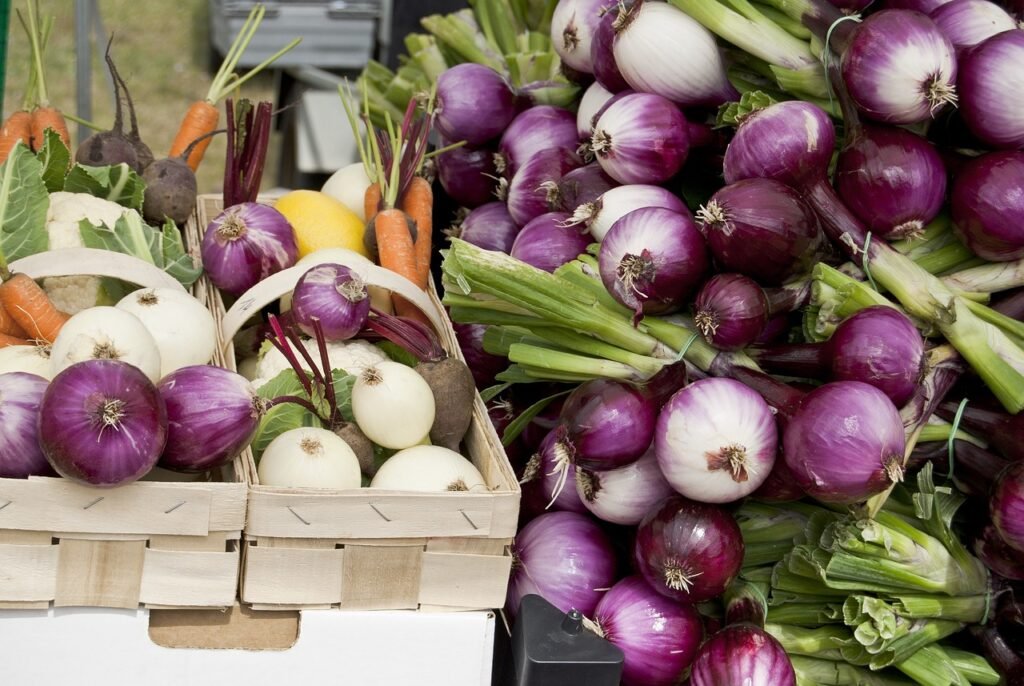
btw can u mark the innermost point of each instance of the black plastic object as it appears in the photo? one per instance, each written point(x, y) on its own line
point(551, 648)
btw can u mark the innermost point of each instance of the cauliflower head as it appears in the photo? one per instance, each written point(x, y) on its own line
point(353, 356)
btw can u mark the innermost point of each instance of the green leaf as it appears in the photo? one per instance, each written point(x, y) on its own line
point(55, 158)
point(117, 183)
point(398, 353)
point(492, 392)
point(283, 417)
point(343, 383)
point(733, 113)
point(129, 235)
point(177, 262)
point(23, 205)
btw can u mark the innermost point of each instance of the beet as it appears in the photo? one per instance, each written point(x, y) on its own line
point(454, 392)
point(171, 191)
point(361, 446)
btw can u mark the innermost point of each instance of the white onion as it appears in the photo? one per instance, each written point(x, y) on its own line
point(594, 98)
point(32, 359)
point(572, 29)
point(348, 186)
point(624, 495)
point(106, 333)
point(428, 468)
point(393, 405)
point(309, 457)
point(184, 330)
point(618, 202)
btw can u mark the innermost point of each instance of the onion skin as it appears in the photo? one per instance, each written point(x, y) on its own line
point(1006, 505)
point(608, 424)
point(245, 244)
point(489, 227)
point(565, 558)
point(20, 454)
point(659, 638)
point(688, 551)
point(547, 244)
point(742, 655)
point(844, 443)
point(536, 130)
point(468, 175)
point(992, 91)
point(731, 311)
point(212, 415)
point(334, 295)
point(641, 138)
point(84, 448)
point(988, 209)
point(967, 23)
point(892, 180)
point(474, 103)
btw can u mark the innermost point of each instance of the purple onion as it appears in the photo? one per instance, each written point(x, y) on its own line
point(881, 347)
point(489, 227)
point(688, 551)
point(658, 637)
point(730, 311)
point(543, 483)
point(474, 104)
point(245, 244)
point(1003, 431)
point(546, 420)
point(923, 6)
point(583, 186)
point(660, 49)
point(652, 259)
point(969, 22)
point(546, 243)
point(892, 180)
point(624, 495)
point(992, 550)
point(592, 102)
point(565, 558)
point(716, 440)
point(535, 130)
point(763, 229)
point(468, 175)
point(212, 415)
point(572, 29)
point(742, 655)
point(780, 486)
point(992, 90)
point(1006, 505)
point(897, 66)
point(600, 215)
point(531, 191)
point(335, 296)
point(608, 424)
point(845, 442)
point(851, 6)
point(102, 423)
point(602, 55)
point(988, 206)
point(20, 454)
point(641, 138)
point(482, 364)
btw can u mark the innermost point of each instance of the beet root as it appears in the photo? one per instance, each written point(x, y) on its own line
point(107, 147)
point(454, 390)
point(171, 191)
point(361, 446)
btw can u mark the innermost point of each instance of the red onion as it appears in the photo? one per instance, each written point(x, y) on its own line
point(660, 49)
point(474, 104)
point(1006, 506)
point(592, 102)
point(780, 486)
point(763, 229)
point(102, 423)
point(335, 296)
point(891, 179)
point(988, 207)
point(600, 215)
point(688, 551)
point(716, 440)
point(543, 485)
point(546, 243)
point(641, 138)
point(658, 637)
point(608, 424)
point(897, 66)
point(602, 55)
point(565, 558)
point(992, 90)
point(881, 347)
point(545, 421)
point(851, 6)
point(742, 655)
point(20, 454)
point(572, 29)
point(969, 22)
point(1003, 431)
point(730, 311)
point(482, 364)
point(536, 130)
point(652, 259)
point(245, 244)
point(923, 6)
point(530, 191)
point(490, 227)
point(998, 556)
point(212, 415)
point(468, 175)
point(624, 495)
point(845, 442)
point(583, 186)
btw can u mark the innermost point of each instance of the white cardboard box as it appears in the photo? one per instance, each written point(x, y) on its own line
point(114, 647)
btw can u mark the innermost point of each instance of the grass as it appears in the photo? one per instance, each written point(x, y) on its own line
point(162, 51)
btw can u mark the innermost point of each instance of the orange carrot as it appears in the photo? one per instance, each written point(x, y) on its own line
point(418, 203)
point(29, 305)
point(44, 118)
point(371, 201)
point(200, 119)
point(6, 340)
point(17, 127)
point(397, 253)
point(9, 326)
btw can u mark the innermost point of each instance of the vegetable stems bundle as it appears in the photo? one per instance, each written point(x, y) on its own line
point(248, 138)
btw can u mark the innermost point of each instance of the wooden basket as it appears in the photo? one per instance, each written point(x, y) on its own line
point(373, 549)
point(158, 544)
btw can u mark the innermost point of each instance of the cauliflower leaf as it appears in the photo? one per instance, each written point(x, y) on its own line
point(23, 205)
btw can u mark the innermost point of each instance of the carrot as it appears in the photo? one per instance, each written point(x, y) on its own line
point(371, 201)
point(9, 326)
point(397, 253)
point(6, 340)
point(17, 127)
point(31, 308)
point(200, 119)
point(418, 203)
point(44, 118)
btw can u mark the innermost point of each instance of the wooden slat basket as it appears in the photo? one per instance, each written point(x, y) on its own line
point(373, 549)
point(162, 544)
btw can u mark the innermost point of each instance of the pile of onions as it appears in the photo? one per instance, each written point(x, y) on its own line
point(591, 104)
point(489, 226)
point(535, 130)
point(731, 310)
point(20, 454)
point(595, 432)
point(1007, 505)
point(742, 655)
point(529, 191)
point(641, 138)
point(624, 495)
point(542, 482)
point(481, 363)
point(600, 215)
point(547, 242)
point(474, 103)
point(572, 29)
point(988, 209)
point(245, 244)
point(468, 175)
point(991, 92)
point(969, 22)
